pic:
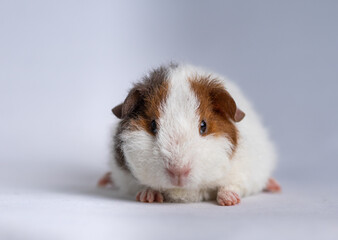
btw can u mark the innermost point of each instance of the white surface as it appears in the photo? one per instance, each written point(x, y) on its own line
point(61, 201)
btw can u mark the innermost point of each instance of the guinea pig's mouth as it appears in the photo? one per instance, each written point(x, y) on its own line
point(178, 176)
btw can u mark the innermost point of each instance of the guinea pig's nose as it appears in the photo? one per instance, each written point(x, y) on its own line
point(178, 175)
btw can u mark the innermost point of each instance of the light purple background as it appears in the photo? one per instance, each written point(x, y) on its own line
point(65, 64)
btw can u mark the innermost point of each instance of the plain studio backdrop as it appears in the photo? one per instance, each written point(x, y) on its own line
point(65, 64)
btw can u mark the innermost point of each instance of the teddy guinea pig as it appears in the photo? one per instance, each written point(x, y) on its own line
point(188, 135)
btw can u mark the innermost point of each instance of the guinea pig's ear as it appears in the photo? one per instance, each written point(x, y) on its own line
point(224, 104)
point(130, 103)
point(239, 115)
point(117, 110)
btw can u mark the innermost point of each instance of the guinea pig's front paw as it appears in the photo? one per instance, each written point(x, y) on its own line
point(227, 198)
point(149, 195)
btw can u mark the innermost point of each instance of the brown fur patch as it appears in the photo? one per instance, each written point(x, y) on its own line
point(216, 107)
point(141, 106)
point(153, 92)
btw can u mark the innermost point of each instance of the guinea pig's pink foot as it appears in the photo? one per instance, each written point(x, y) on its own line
point(105, 180)
point(227, 198)
point(148, 195)
point(272, 186)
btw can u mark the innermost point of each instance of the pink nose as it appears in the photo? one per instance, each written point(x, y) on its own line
point(178, 175)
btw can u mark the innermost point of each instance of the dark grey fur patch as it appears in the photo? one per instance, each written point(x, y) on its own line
point(146, 87)
point(119, 156)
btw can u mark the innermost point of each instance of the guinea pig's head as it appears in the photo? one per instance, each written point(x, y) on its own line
point(178, 129)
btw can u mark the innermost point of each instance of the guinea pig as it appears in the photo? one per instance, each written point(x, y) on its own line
point(188, 135)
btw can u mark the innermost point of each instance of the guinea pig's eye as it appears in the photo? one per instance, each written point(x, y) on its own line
point(203, 127)
point(153, 126)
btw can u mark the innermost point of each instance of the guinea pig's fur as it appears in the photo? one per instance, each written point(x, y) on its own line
point(160, 147)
